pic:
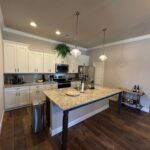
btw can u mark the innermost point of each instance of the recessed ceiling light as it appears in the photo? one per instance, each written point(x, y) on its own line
point(58, 32)
point(33, 24)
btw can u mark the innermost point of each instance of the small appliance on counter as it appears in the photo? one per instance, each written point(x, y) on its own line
point(51, 78)
point(17, 79)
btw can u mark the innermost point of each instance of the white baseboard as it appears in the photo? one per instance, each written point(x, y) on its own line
point(78, 120)
point(145, 109)
point(1, 121)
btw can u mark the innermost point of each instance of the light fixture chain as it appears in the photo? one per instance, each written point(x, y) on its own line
point(76, 27)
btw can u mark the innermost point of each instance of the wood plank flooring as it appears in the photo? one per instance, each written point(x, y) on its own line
point(104, 131)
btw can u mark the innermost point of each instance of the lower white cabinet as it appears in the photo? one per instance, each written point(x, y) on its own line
point(21, 96)
point(16, 97)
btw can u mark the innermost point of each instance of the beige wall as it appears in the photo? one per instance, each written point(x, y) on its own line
point(35, 44)
point(128, 64)
point(1, 74)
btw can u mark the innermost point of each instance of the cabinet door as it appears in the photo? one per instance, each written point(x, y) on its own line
point(39, 62)
point(84, 60)
point(35, 62)
point(32, 63)
point(22, 96)
point(22, 59)
point(9, 57)
point(60, 60)
point(52, 62)
point(10, 99)
point(46, 63)
point(73, 64)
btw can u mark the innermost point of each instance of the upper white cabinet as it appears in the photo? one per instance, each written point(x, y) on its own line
point(49, 62)
point(19, 59)
point(35, 62)
point(15, 57)
point(9, 57)
point(73, 64)
point(83, 60)
point(60, 60)
point(22, 59)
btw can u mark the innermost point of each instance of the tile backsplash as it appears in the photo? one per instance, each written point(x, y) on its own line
point(33, 77)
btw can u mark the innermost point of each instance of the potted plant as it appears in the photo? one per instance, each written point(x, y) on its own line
point(62, 50)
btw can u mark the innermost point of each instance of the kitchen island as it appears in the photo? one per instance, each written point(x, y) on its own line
point(68, 103)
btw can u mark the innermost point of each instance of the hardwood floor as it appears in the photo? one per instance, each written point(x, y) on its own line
point(104, 131)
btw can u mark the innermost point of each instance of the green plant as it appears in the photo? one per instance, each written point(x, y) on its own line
point(62, 50)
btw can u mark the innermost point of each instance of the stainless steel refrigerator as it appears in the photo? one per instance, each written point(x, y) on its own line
point(86, 71)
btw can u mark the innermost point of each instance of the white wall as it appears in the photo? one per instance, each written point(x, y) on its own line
point(128, 64)
point(1, 74)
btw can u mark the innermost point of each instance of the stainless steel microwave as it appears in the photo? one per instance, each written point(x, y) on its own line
point(61, 68)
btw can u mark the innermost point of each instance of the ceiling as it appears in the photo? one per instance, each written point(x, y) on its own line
point(123, 18)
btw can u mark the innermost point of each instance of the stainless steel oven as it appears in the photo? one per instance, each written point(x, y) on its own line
point(61, 68)
point(62, 81)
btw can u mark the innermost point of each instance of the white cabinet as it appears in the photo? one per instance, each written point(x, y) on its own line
point(60, 60)
point(22, 59)
point(10, 98)
point(9, 57)
point(22, 96)
point(15, 57)
point(49, 62)
point(83, 60)
point(35, 62)
point(73, 64)
point(16, 97)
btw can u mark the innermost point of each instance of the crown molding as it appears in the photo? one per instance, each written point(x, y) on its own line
point(10, 30)
point(143, 37)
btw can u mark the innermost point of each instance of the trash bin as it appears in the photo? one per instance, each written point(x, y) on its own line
point(38, 115)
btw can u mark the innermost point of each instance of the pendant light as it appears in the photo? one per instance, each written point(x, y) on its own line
point(103, 57)
point(76, 52)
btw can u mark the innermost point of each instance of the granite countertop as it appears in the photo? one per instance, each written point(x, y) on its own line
point(64, 102)
point(27, 84)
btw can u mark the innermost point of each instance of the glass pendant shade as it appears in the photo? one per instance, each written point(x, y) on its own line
point(76, 52)
point(103, 57)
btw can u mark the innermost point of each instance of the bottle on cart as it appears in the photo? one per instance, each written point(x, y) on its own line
point(134, 88)
point(138, 89)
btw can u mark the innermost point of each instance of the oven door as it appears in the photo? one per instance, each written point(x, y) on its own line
point(61, 68)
